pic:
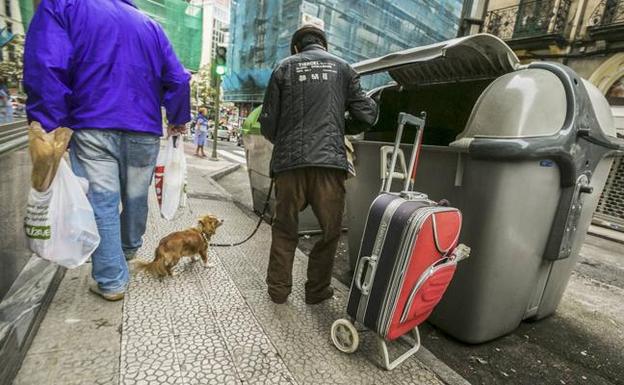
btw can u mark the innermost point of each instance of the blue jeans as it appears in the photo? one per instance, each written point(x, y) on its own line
point(119, 167)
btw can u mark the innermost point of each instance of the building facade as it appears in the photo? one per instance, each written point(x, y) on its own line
point(15, 16)
point(357, 29)
point(588, 36)
point(216, 21)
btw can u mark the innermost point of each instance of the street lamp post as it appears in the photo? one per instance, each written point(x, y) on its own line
point(215, 134)
point(219, 67)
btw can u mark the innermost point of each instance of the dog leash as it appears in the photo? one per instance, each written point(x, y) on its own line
point(264, 210)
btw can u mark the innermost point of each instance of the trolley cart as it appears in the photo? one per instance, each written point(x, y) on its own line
point(408, 255)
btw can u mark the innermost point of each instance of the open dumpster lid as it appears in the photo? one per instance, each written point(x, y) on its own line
point(474, 57)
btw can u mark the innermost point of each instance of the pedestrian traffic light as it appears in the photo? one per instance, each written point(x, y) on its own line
point(220, 60)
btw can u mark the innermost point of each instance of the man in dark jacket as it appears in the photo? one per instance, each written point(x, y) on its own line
point(103, 69)
point(303, 115)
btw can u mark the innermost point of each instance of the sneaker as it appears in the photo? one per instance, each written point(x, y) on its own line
point(329, 293)
point(94, 288)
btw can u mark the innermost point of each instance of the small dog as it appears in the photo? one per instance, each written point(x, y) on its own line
point(186, 243)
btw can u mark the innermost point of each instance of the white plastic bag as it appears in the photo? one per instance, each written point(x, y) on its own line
point(173, 180)
point(60, 224)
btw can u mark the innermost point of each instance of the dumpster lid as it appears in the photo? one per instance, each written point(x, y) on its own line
point(481, 56)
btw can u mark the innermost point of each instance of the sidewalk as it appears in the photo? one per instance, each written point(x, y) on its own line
point(205, 325)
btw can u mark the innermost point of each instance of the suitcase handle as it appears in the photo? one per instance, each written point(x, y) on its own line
point(419, 123)
point(365, 287)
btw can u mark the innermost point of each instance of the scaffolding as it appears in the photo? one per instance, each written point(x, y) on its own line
point(26, 10)
point(357, 29)
point(182, 23)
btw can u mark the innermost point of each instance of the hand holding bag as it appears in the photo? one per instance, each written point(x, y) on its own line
point(60, 225)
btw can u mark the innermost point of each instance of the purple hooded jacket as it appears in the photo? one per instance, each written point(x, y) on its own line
point(104, 65)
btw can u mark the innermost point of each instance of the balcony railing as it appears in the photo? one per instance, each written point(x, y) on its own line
point(608, 12)
point(528, 19)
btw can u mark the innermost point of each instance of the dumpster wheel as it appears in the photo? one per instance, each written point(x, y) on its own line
point(344, 336)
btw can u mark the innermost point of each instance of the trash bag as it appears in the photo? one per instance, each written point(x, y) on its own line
point(60, 225)
point(170, 178)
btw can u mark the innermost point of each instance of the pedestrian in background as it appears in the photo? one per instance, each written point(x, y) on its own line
point(103, 69)
point(6, 106)
point(303, 116)
point(201, 125)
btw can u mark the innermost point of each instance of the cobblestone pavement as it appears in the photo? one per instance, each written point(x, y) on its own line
point(217, 325)
point(205, 325)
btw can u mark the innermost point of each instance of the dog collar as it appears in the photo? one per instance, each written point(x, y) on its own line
point(205, 237)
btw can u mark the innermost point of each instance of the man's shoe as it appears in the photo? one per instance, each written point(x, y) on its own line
point(329, 293)
point(94, 288)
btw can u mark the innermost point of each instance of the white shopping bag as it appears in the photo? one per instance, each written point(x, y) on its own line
point(172, 162)
point(60, 224)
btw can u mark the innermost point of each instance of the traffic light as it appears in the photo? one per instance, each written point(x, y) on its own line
point(220, 60)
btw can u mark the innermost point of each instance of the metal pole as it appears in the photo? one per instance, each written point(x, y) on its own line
point(215, 134)
point(197, 84)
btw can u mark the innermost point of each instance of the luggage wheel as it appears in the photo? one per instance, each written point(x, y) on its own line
point(344, 336)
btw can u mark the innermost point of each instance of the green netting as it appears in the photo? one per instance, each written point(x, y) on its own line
point(26, 9)
point(183, 24)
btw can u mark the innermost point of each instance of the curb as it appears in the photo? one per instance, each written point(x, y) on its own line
point(437, 366)
point(224, 171)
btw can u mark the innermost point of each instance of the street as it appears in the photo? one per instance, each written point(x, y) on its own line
point(229, 151)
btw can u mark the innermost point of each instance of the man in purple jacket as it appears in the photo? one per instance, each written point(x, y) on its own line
point(103, 69)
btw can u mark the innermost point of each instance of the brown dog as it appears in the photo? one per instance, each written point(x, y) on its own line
point(186, 243)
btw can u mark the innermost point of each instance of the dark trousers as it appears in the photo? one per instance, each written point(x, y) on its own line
point(324, 190)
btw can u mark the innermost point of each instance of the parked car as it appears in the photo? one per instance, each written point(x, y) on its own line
point(222, 133)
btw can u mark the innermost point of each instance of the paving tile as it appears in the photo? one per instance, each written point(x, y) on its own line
point(148, 359)
point(195, 320)
point(31, 373)
point(258, 361)
point(73, 366)
point(204, 359)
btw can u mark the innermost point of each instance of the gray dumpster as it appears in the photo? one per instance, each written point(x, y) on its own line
point(523, 151)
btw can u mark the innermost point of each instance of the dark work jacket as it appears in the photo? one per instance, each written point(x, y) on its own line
point(303, 114)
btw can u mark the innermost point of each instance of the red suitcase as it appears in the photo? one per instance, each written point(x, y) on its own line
point(407, 258)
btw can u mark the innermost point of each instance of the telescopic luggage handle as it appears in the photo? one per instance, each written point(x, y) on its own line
point(419, 123)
